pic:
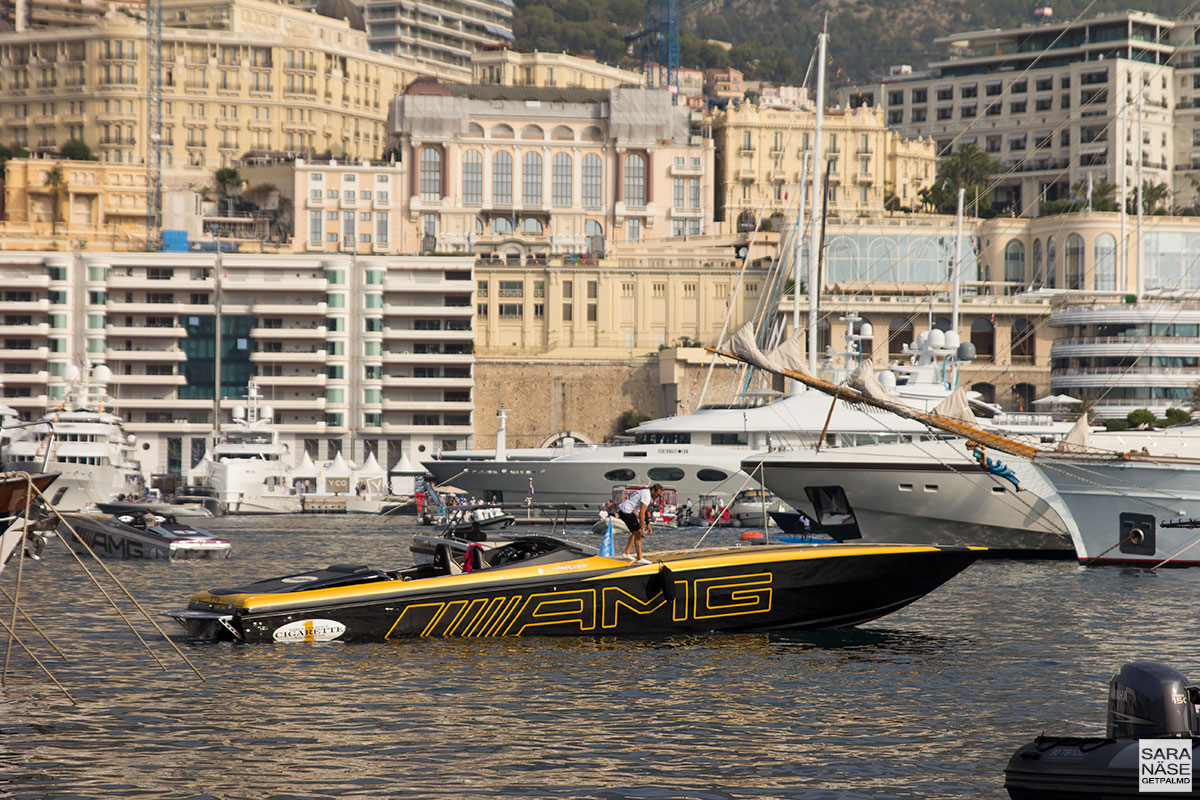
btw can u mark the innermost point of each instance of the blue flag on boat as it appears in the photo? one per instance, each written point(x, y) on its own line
point(607, 547)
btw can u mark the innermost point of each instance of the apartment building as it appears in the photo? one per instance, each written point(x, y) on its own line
point(501, 65)
point(352, 352)
point(509, 173)
point(759, 153)
point(1059, 103)
point(339, 206)
point(23, 15)
point(239, 77)
point(103, 204)
point(441, 35)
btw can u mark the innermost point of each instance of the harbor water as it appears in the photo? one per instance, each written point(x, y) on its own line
point(929, 702)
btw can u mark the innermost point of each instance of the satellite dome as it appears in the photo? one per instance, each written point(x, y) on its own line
point(937, 338)
point(266, 412)
point(342, 9)
point(887, 379)
point(101, 374)
point(239, 412)
point(70, 373)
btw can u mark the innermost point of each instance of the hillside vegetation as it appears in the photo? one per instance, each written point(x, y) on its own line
point(773, 39)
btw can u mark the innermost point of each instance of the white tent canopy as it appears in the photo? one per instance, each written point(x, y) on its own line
point(1056, 400)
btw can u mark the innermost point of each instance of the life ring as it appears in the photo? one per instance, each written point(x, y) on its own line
point(748, 535)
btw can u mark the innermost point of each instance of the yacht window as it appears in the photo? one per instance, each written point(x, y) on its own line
point(834, 514)
point(730, 438)
point(619, 475)
point(711, 475)
point(666, 474)
point(664, 438)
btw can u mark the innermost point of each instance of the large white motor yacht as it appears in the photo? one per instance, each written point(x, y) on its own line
point(83, 441)
point(701, 454)
point(249, 468)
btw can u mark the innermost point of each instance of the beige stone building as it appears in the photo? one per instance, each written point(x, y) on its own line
point(759, 152)
point(511, 173)
point(101, 205)
point(239, 76)
point(504, 66)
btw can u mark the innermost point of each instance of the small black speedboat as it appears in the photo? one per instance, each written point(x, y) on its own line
point(542, 585)
point(158, 536)
point(1146, 701)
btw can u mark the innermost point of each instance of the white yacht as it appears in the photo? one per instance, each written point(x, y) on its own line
point(249, 469)
point(1121, 496)
point(701, 454)
point(83, 441)
point(914, 492)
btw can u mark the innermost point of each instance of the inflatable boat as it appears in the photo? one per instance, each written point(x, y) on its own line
point(1147, 702)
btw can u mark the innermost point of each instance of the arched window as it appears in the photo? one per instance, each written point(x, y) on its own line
point(502, 168)
point(531, 179)
point(532, 132)
point(561, 179)
point(1023, 394)
point(431, 173)
point(1105, 262)
point(478, 225)
point(474, 129)
point(1073, 262)
point(745, 221)
point(563, 134)
point(531, 225)
point(593, 187)
point(502, 131)
point(502, 226)
point(987, 392)
point(635, 179)
point(1014, 263)
point(592, 134)
point(1035, 278)
point(941, 324)
point(1021, 341)
point(593, 228)
point(472, 177)
point(983, 336)
point(900, 333)
point(1051, 252)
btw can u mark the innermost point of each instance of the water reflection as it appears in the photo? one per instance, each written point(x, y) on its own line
point(928, 702)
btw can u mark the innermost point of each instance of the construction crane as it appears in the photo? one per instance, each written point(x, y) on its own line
point(154, 103)
point(661, 50)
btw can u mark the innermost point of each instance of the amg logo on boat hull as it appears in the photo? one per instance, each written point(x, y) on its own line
point(112, 545)
point(601, 609)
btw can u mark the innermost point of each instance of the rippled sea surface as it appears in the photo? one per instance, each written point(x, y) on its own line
point(928, 702)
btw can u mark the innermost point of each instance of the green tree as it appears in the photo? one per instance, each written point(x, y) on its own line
point(76, 150)
point(56, 183)
point(630, 419)
point(7, 152)
point(966, 168)
point(1141, 417)
point(1156, 199)
point(1177, 416)
point(227, 182)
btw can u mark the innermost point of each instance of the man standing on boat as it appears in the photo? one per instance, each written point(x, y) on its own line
point(635, 513)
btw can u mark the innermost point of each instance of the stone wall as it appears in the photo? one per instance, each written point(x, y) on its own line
point(548, 398)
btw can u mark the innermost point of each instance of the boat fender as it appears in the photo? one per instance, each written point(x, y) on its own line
point(748, 535)
point(662, 582)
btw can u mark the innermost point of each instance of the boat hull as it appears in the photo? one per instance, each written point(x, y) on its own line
point(1104, 503)
point(110, 539)
point(81, 485)
point(907, 503)
point(727, 589)
point(1063, 768)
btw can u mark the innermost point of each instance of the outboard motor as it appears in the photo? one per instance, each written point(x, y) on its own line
point(1146, 700)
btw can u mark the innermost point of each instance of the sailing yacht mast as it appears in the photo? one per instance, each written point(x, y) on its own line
point(814, 248)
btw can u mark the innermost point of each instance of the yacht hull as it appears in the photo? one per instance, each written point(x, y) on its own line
point(587, 485)
point(724, 589)
point(958, 504)
point(1115, 509)
point(81, 485)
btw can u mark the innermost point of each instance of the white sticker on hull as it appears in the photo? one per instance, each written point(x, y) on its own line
point(309, 630)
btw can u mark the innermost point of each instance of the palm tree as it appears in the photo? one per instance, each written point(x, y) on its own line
point(227, 181)
point(56, 182)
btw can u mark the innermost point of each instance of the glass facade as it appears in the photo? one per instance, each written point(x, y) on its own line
point(199, 346)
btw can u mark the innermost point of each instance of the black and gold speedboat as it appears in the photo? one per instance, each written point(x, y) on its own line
point(541, 585)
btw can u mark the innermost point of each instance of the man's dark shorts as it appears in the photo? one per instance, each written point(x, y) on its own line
point(630, 520)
